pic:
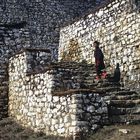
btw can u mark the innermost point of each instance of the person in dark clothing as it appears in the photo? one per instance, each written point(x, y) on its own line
point(99, 59)
point(117, 74)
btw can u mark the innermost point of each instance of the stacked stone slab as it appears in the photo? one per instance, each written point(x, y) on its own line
point(125, 107)
point(3, 91)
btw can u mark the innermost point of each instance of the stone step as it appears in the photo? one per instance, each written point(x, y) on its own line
point(87, 85)
point(3, 76)
point(89, 79)
point(125, 97)
point(110, 89)
point(3, 115)
point(111, 84)
point(4, 109)
point(122, 92)
point(4, 84)
point(124, 103)
point(124, 111)
point(3, 100)
point(92, 86)
point(128, 119)
point(93, 74)
point(3, 72)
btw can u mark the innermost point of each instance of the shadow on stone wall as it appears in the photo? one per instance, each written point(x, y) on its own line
point(10, 130)
point(73, 52)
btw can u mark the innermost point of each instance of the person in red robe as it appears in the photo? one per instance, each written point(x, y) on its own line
point(99, 60)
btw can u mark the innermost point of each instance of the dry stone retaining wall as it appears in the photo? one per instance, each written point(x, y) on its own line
point(117, 27)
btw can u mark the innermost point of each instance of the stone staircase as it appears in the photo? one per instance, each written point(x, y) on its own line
point(123, 104)
point(124, 107)
point(72, 75)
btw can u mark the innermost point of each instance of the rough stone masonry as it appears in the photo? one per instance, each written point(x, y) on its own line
point(32, 24)
point(34, 102)
point(32, 81)
point(116, 25)
point(44, 18)
point(11, 42)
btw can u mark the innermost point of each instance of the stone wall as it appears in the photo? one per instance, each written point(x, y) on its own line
point(33, 102)
point(32, 23)
point(11, 41)
point(116, 25)
point(44, 18)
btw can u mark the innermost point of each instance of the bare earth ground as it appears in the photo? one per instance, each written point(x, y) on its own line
point(10, 130)
point(117, 132)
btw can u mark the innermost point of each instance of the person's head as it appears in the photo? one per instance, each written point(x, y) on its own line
point(96, 44)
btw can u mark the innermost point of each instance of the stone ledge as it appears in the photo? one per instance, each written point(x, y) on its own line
point(124, 103)
point(31, 50)
point(131, 119)
point(37, 49)
point(78, 91)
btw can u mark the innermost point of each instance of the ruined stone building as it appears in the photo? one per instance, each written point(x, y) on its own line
point(47, 75)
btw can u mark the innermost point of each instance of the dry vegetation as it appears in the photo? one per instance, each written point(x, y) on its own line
point(10, 130)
